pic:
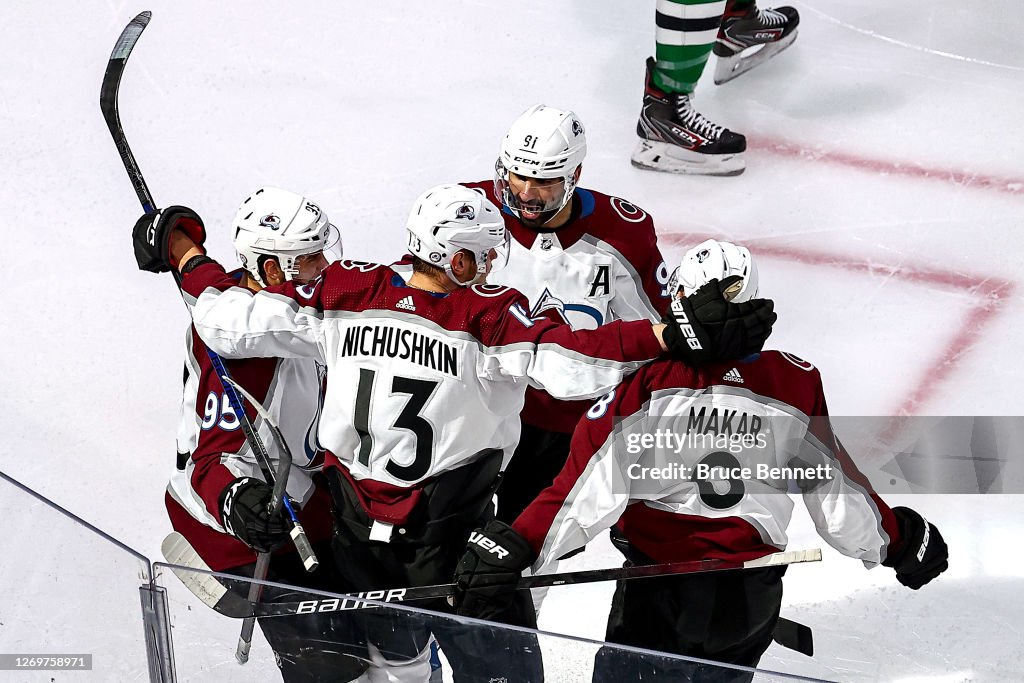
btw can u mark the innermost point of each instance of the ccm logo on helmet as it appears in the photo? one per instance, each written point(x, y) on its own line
point(487, 544)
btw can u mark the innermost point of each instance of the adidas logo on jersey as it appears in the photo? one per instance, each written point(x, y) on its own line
point(733, 376)
point(406, 304)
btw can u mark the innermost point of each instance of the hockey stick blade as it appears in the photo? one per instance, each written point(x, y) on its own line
point(108, 104)
point(794, 636)
point(358, 601)
point(183, 559)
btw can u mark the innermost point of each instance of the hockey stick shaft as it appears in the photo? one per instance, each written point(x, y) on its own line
point(278, 479)
point(298, 534)
point(109, 89)
point(197, 576)
point(206, 587)
point(109, 107)
point(564, 579)
point(279, 496)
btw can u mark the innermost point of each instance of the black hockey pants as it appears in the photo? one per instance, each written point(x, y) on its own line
point(538, 459)
point(426, 552)
point(315, 647)
point(724, 616)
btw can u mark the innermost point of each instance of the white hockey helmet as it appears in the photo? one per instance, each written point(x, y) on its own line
point(713, 259)
point(544, 142)
point(448, 218)
point(283, 224)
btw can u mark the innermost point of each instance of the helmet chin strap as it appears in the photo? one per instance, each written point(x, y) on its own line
point(451, 276)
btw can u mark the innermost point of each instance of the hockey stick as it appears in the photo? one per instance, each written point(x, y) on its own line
point(109, 107)
point(206, 586)
point(108, 104)
point(232, 605)
point(794, 636)
point(298, 535)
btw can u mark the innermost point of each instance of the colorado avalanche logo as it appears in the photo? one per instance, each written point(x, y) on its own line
point(798, 361)
point(577, 128)
point(465, 211)
point(271, 221)
point(306, 291)
point(703, 255)
point(550, 306)
point(628, 212)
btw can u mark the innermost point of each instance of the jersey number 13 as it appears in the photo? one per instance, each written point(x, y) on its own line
point(419, 392)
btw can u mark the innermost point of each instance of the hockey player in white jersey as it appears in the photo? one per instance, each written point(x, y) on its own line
point(425, 383)
point(767, 411)
point(579, 256)
point(218, 497)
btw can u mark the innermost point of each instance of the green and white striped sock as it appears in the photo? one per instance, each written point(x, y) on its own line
point(685, 32)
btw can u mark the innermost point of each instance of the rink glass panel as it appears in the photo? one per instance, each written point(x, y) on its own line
point(68, 589)
point(205, 641)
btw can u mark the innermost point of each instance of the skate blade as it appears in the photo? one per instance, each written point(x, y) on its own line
point(728, 68)
point(657, 156)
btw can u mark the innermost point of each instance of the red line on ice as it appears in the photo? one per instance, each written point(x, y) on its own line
point(961, 178)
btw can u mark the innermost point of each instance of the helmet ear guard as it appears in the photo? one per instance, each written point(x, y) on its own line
point(713, 259)
point(281, 224)
point(449, 218)
point(545, 143)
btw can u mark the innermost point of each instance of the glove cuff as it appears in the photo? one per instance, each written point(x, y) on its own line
point(227, 499)
point(912, 526)
point(518, 546)
point(195, 262)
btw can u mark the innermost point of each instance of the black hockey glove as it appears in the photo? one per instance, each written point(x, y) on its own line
point(924, 554)
point(244, 508)
point(706, 327)
point(487, 574)
point(153, 230)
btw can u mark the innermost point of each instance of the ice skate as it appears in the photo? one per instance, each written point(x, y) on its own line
point(675, 138)
point(751, 38)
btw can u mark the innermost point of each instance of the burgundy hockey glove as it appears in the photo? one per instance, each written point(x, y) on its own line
point(706, 327)
point(924, 554)
point(244, 508)
point(153, 230)
point(487, 574)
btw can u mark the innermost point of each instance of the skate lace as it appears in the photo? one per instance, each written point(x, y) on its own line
point(770, 17)
point(695, 121)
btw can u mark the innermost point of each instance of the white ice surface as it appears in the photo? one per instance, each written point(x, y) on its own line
point(885, 185)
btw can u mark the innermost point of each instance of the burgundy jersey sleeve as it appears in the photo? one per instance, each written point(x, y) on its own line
point(592, 490)
point(564, 362)
point(821, 429)
point(286, 321)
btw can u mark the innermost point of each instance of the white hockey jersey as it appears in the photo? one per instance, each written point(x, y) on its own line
point(418, 383)
point(693, 464)
point(603, 265)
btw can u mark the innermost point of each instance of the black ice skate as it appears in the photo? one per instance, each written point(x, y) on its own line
point(751, 38)
point(675, 138)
